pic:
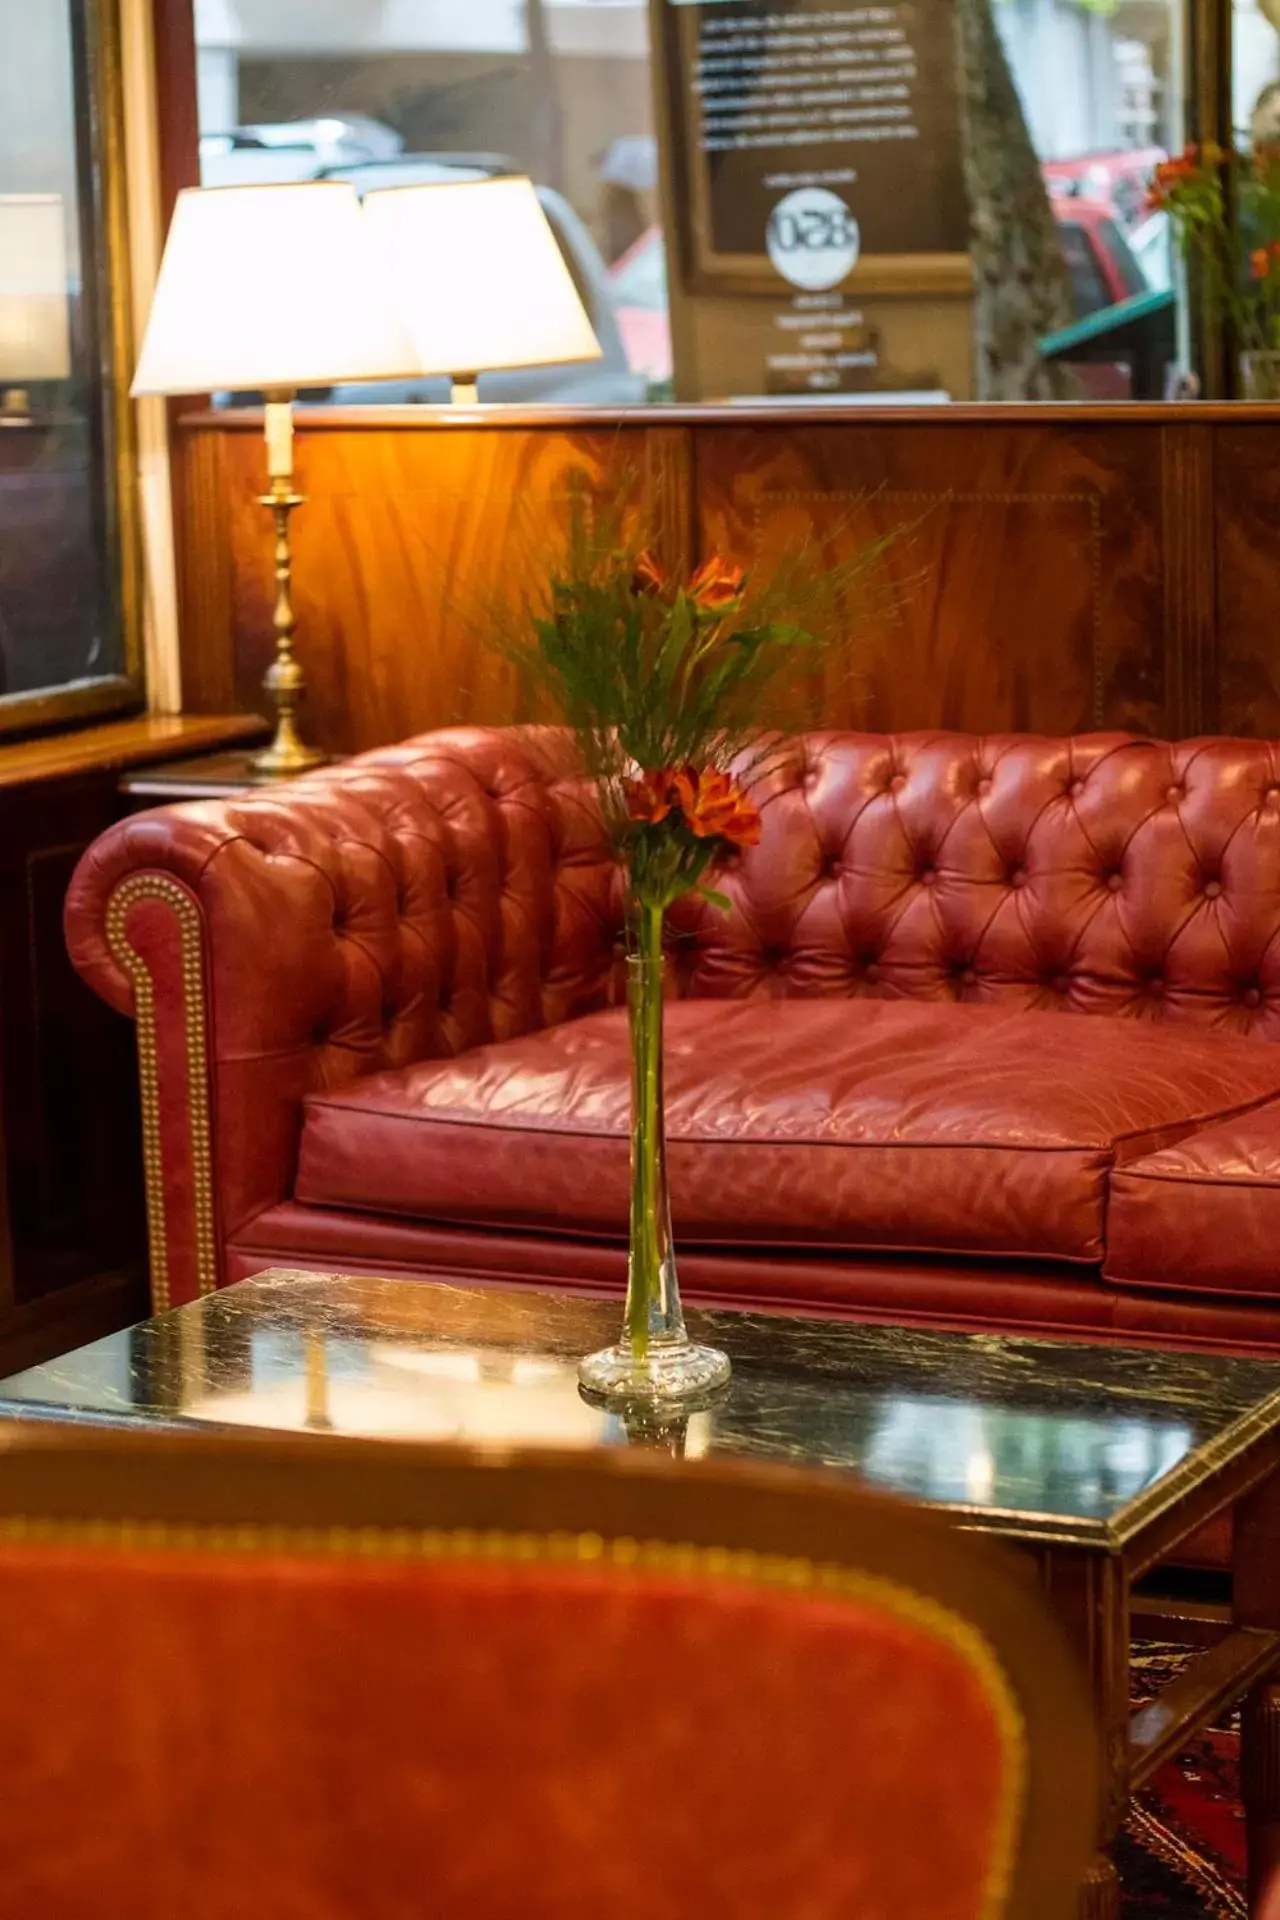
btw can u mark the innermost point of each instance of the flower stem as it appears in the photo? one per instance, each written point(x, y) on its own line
point(644, 1282)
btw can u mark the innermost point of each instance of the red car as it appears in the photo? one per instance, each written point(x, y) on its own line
point(1119, 180)
point(638, 283)
point(1102, 264)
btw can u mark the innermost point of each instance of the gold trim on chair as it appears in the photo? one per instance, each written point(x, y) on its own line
point(157, 886)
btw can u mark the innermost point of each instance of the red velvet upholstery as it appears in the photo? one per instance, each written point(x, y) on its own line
point(422, 902)
point(267, 1738)
point(517, 1689)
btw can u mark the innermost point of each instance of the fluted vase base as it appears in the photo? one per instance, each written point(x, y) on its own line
point(673, 1375)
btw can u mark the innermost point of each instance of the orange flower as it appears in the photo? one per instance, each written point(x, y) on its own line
point(717, 585)
point(715, 807)
point(649, 575)
point(650, 798)
point(1171, 174)
point(1260, 263)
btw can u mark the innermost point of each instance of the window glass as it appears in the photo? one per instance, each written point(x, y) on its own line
point(59, 620)
point(918, 197)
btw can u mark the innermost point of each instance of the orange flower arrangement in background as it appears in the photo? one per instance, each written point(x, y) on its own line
point(1224, 209)
point(1181, 170)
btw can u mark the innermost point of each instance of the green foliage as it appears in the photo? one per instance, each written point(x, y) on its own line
point(1225, 210)
point(656, 674)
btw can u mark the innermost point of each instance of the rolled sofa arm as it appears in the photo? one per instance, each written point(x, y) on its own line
point(406, 905)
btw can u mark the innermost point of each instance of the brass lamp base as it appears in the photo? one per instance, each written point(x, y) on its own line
point(284, 679)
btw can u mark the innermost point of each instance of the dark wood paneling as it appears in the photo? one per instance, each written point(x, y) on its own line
point(1247, 514)
point(1057, 568)
point(1026, 583)
point(404, 546)
point(176, 105)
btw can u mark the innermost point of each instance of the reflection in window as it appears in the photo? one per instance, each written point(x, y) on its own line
point(61, 629)
point(854, 208)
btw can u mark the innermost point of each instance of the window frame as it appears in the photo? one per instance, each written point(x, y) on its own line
point(103, 214)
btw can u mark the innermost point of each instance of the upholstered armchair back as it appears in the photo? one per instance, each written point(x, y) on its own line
point(458, 889)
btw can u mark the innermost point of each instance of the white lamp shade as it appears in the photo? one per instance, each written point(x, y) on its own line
point(480, 280)
point(272, 287)
point(35, 325)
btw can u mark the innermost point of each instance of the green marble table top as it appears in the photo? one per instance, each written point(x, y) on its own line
point(1030, 1438)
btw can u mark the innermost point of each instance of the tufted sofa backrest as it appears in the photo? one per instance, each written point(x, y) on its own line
point(1097, 874)
point(474, 896)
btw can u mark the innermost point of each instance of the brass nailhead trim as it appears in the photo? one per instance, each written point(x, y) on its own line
point(737, 1566)
point(157, 886)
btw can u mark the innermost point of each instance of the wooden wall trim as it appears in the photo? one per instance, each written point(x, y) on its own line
point(177, 110)
point(960, 416)
point(1055, 568)
point(1190, 597)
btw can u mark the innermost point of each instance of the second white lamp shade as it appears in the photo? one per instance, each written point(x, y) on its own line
point(35, 330)
point(479, 278)
point(271, 287)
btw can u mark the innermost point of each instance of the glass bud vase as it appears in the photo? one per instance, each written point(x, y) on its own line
point(655, 1364)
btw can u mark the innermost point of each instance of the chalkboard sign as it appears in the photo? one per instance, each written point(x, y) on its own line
point(805, 140)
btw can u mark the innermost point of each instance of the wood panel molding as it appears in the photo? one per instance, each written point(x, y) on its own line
point(1057, 568)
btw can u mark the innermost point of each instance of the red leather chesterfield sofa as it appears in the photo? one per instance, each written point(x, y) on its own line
point(983, 1040)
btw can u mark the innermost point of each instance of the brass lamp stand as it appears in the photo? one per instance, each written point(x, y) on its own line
point(284, 679)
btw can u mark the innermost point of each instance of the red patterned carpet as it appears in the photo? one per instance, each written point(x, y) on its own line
point(1182, 1854)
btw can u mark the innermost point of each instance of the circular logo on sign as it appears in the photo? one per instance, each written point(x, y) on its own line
point(813, 239)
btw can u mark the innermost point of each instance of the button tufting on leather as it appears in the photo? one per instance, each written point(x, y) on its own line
point(1061, 983)
point(1076, 789)
point(1155, 986)
point(984, 785)
point(1115, 881)
point(873, 971)
point(897, 783)
point(1212, 888)
point(927, 877)
point(968, 978)
point(1174, 794)
point(1017, 876)
point(1252, 996)
point(1272, 796)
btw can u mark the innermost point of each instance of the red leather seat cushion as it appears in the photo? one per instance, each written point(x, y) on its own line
point(1203, 1214)
point(852, 1123)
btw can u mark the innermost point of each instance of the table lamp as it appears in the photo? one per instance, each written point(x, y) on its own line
point(272, 288)
point(35, 324)
point(479, 279)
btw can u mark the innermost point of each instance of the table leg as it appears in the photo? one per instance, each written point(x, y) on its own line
point(1260, 1789)
point(1089, 1593)
point(1100, 1891)
point(1256, 1597)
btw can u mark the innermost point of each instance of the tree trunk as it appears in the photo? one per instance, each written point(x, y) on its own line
point(1021, 286)
point(546, 159)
